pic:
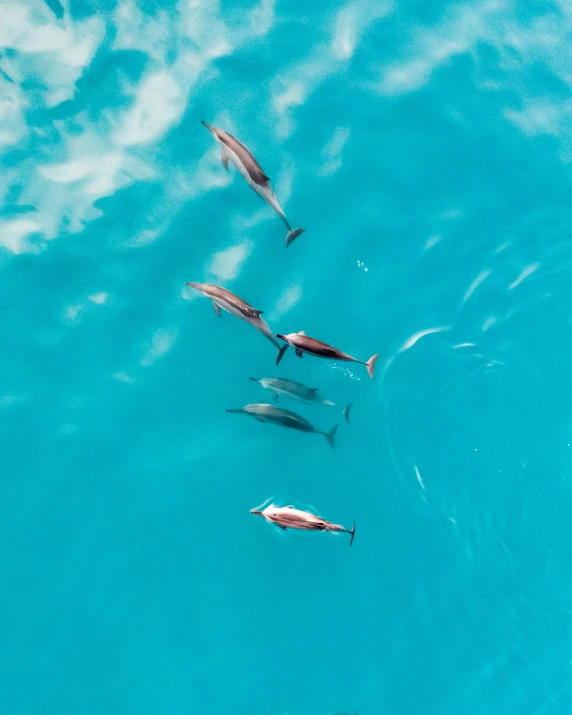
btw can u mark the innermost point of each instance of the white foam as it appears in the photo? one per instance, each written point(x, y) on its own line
point(123, 377)
point(161, 342)
point(292, 86)
point(289, 298)
point(99, 298)
point(410, 342)
point(332, 152)
point(225, 265)
point(483, 275)
point(15, 234)
point(526, 271)
point(159, 105)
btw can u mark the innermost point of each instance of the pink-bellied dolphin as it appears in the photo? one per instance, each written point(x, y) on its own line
point(287, 517)
point(303, 343)
point(223, 298)
point(264, 412)
point(281, 387)
point(252, 173)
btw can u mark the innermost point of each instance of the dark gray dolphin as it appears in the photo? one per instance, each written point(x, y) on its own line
point(223, 298)
point(303, 343)
point(280, 387)
point(264, 412)
point(252, 173)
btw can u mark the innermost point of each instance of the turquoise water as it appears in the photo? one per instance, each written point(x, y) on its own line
point(426, 148)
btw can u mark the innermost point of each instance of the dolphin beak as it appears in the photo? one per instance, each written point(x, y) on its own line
point(254, 379)
point(208, 126)
point(278, 335)
point(194, 285)
point(256, 511)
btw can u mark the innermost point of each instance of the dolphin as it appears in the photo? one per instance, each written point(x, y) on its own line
point(280, 387)
point(252, 173)
point(230, 302)
point(305, 344)
point(287, 517)
point(276, 415)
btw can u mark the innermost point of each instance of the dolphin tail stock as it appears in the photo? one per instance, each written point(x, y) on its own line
point(347, 412)
point(352, 531)
point(293, 234)
point(331, 436)
point(370, 364)
point(281, 352)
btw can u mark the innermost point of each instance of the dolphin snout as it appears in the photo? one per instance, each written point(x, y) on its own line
point(282, 337)
point(194, 285)
point(256, 511)
point(254, 379)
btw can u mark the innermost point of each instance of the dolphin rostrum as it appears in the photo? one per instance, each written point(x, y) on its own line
point(305, 344)
point(287, 517)
point(280, 387)
point(252, 173)
point(230, 302)
point(276, 415)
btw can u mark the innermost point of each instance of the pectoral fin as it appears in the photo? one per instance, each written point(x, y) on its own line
point(282, 527)
point(216, 309)
point(224, 157)
point(299, 353)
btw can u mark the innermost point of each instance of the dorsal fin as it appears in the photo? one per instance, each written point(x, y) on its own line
point(258, 312)
point(301, 332)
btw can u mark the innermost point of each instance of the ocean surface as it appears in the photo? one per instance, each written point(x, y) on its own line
point(426, 148)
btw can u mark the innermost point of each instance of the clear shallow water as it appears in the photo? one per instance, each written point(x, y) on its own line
point(426, 150)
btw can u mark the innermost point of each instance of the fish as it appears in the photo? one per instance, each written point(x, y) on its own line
point(252, 173)
point(264, 412)
point(303, 343)
point(280, 387)
point(287, 517)
point(223, 298)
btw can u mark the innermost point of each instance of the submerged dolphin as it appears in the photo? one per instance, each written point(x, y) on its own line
point(305, 344)
point(252, 172)
point(230, 302)
point(286, 517)
point(278, 416)
point(280, 387)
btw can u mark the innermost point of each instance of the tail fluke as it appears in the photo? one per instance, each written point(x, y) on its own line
point(331, 436)
point(293, 234)
point(347, 412)
point(281, 352)
point(370, 364)
point(352, 531)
